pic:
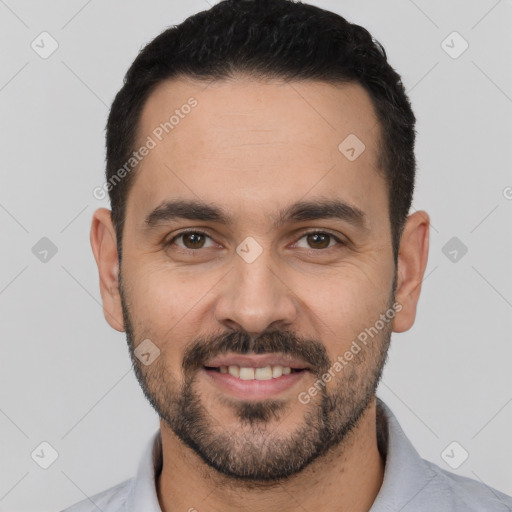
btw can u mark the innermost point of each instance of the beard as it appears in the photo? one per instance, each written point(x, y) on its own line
point(254, 453)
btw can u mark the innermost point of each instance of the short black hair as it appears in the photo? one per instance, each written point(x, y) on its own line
point(280, 39)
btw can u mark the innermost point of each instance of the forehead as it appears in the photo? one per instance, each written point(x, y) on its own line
point(256, 145)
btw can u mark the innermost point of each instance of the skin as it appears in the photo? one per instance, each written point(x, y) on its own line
point(253, 147)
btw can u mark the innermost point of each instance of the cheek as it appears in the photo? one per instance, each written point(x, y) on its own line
point(346, 297)
point(343, 306)
point(162, 311)
point(155, 301)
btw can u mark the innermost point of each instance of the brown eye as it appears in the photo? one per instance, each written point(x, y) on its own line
point(191, 240)
point(320, 240)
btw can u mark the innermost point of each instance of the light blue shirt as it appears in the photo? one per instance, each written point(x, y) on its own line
point(410, 482)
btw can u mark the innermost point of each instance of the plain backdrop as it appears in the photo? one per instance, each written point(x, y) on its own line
point(65, 375)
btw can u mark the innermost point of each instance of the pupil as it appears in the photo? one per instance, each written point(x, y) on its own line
point(192, 236)
point(320, 235)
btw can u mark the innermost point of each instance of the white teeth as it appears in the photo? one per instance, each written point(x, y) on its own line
point(263, 373)
point(277, 371)
point(247, 373)
point(234, 370)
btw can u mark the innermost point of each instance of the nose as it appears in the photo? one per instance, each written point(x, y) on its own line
point(255, 298)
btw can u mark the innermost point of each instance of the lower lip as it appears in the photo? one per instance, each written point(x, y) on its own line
point(254, 389)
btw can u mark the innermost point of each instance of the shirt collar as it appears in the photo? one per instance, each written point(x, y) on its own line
point(142, 494)
point(406, 474)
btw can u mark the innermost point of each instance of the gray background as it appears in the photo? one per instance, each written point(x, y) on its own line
point(65, 374)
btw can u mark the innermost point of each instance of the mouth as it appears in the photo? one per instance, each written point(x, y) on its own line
point(254, 383)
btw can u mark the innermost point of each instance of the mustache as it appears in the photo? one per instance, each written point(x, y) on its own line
point(309, 351)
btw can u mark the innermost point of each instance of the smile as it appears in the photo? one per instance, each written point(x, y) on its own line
point(254, 383)
point(249, 373)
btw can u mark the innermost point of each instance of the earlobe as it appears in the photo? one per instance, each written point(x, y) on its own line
point(104, 246)
point(412, 262)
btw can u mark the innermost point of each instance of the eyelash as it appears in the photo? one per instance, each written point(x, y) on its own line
point(313, 232)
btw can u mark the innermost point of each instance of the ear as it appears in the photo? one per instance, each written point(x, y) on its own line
point(104, 247)
point(412, 262)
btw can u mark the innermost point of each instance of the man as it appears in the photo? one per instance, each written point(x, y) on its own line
point(259, 253)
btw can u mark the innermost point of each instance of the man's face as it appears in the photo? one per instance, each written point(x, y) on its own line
point(203, 289)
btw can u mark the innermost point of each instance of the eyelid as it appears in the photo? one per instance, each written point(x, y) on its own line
point(323, 232)
point(199, 231)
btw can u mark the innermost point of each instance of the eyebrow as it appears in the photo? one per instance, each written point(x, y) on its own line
point(297, 212)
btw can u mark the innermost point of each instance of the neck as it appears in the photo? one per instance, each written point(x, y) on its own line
point(348, 478)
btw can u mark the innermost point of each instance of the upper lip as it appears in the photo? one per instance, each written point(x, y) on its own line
point(256, 361)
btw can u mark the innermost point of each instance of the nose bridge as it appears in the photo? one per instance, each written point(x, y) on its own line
point(254, 295)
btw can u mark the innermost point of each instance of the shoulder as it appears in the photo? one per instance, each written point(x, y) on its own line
point(458, 492)
point(109, 500)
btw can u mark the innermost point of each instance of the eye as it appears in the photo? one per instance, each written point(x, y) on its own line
point(320, 240)
point(192, 240)
point(195, 240)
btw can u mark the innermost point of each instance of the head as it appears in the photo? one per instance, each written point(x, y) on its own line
point(266, 214)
